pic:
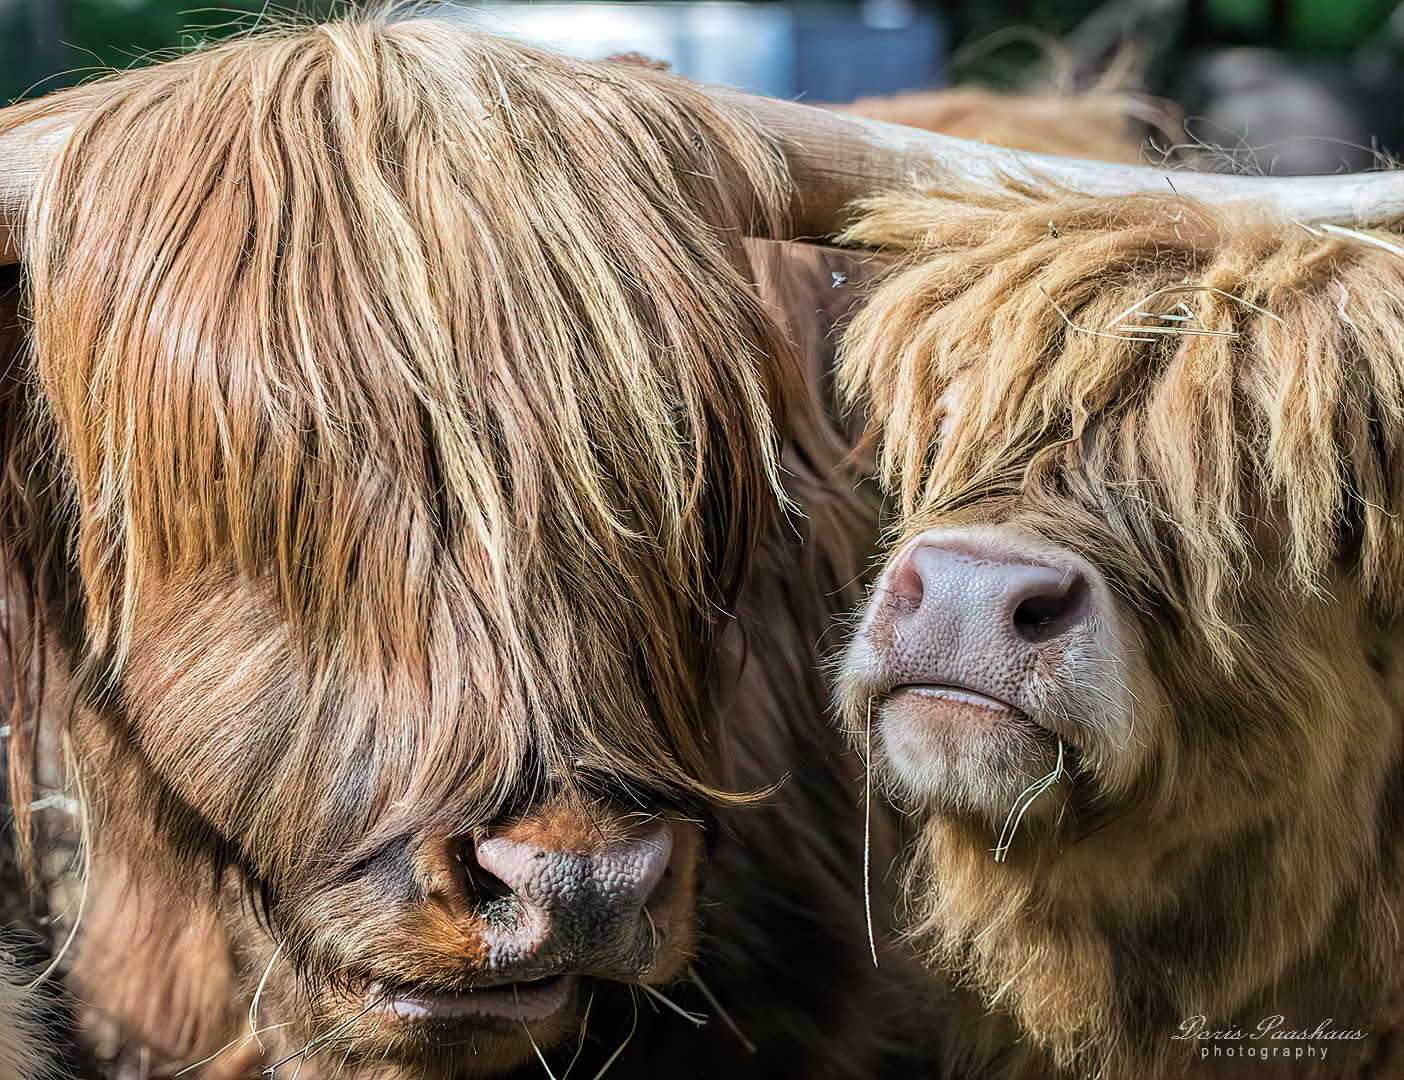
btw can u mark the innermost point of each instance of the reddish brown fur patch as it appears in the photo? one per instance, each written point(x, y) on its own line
point(563, 827)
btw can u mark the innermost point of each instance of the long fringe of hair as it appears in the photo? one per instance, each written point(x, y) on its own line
point(447, 342)
point(1194, 365)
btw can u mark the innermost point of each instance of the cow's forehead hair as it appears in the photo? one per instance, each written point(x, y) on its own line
point(406, 310)
point(1171, 367)
point(444, 342)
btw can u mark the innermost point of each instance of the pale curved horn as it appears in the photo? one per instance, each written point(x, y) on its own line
point(26, 149)
point(835, 158)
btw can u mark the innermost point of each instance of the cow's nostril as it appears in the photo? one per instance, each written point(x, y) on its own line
point(1052, 610)
point(482, 884)
point(904, 583)
point(611, 880)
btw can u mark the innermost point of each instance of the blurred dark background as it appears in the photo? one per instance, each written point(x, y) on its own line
point(1283, 85)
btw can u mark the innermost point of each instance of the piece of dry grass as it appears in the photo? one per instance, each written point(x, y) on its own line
point(1021, 806)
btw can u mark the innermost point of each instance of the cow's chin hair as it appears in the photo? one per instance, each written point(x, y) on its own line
point(1000, 929)
point(403, 993)
point(341, 1025)
point(347, 1021)
point(984, 873)
point(978, 864)
point(951, 758)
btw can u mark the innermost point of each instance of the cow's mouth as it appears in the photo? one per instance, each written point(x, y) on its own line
point(952, 701)
point(961, 749)
point(963, 710)
point(515, 1003)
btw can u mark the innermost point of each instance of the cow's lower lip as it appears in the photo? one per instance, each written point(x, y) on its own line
point(517, 1003)
point(962, 750)
point(942, 695)
point(947, 704)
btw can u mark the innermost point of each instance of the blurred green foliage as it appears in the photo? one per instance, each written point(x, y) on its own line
point(996, 42)
point(999, 43)
point(1315, 26)
point(45, 44)
point(117, 33)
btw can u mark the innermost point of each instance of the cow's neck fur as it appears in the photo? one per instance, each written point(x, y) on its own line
point(1228, 895)
point(1049, 985)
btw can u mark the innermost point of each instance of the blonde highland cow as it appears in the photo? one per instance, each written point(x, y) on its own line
point(1136, 664)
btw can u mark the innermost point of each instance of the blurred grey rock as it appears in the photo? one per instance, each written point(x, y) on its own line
point(1275, 117)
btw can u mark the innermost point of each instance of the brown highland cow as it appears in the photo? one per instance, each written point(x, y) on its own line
point(1136, 666)
point(400, 579)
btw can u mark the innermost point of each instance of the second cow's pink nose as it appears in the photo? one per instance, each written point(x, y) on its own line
point(990, 602)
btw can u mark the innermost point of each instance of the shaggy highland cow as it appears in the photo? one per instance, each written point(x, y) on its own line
point(400, 579)
point(1136, 665)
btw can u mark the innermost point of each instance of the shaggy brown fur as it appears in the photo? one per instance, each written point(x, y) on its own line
point(1239, 857)
point(387, 458)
